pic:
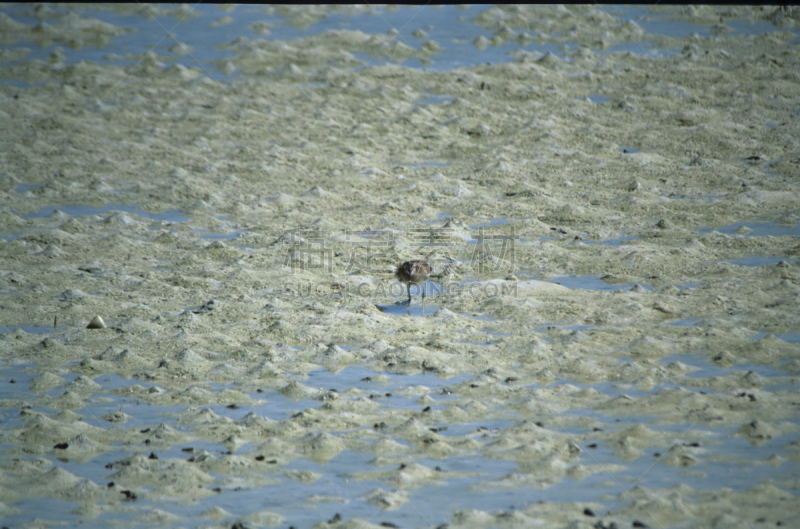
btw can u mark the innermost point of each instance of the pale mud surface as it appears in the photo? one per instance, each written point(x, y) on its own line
point(238, 238)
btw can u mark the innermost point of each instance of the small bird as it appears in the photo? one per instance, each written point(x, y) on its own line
point(414, 273)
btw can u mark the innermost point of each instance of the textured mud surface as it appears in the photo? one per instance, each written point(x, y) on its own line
point(611, 333)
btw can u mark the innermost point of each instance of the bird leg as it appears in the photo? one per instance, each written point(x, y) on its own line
point(408, 287)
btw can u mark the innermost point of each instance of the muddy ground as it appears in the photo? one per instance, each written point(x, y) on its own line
point(238, 239)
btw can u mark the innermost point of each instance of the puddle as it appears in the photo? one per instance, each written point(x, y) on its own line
point(30, 329)
point(27, 187)
point(732, 455)
point(627, 150)
point(21, 375)
point(400, 308)
point(490, 224)
point(657, 23)
point(706, 197)
point(435, 100)
point(756, 229)
point(758, 261)
point(664, 24)
point(549, 326)
point(612, 390)
point(50, 510)
point(366, 379)
point(592, 283)
point(789, 337)
point(596, 98)
point(708, 369)
point(217, 236)
point(619, 241)
point(172, 216)
point(414, 310)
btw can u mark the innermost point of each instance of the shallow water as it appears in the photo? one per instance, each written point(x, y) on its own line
point(757, 229)
point(481, 486)
point(80, 211)
point(607, 196)
point(591, 283)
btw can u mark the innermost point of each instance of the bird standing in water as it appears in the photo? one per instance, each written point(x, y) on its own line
point(414, 273)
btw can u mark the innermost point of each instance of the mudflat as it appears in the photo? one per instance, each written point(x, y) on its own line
point(611, 334)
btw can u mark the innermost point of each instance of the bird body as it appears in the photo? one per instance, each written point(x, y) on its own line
point(414, 272)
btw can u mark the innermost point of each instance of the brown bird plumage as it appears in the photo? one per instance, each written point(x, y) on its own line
point(414, 273)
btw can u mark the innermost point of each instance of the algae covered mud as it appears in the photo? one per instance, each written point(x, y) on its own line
point(609, 196)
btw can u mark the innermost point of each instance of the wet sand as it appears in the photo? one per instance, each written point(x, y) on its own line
point(239, 240)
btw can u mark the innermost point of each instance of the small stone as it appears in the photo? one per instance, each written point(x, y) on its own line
point(96, 323)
